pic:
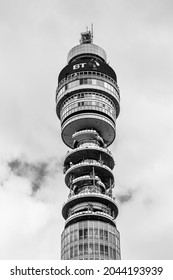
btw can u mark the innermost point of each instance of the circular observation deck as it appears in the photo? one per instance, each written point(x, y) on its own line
point(89, 197)
point(89, 215)
point(84, 50)
point(85, 168)
point(88, 181)
point(89, 136)
point(91, 120)
point(91, 152)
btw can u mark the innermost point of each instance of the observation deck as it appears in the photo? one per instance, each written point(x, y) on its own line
point(88, 214)
point(86, 167)
point(91, 197)
point(97, 153)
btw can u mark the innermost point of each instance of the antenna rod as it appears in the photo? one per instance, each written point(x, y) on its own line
point(91, 32)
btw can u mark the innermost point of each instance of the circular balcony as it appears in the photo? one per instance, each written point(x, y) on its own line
point(103, 125)
point(86, 168)
point(87, 215)
point(87, 180)
point(87, 196)
point(88, 135)
point(90, 152)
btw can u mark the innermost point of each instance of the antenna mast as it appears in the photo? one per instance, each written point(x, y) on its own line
point(87, 37)
point(91, 32)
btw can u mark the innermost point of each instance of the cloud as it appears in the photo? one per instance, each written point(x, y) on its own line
point(123, 198)
point(36, 172)
point(29, 210)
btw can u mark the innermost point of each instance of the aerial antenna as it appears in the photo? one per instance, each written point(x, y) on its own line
point(87, 36)
point(91, 32)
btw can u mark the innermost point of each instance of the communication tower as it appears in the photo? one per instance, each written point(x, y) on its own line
point(87, 104)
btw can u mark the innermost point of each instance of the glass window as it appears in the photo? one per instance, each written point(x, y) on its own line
point(111, 255)
point(114, 239)
point(85, 248)
point(99, 83)
point(96, 245)
point(94, 81)
point(80, 224)
point(68, 238)
point(71, 236)
point(80, 233)
point(75, 250)
point(65, 241)
point(85, 233)
point(90, 251)
point(114, 254)
point(101, 249)
point(110, 237)
point(118, 242)
point(105, 84)
point(96, 224)
point(105, 234)
point(96, 232)
point(80, 249)
point(101, 234)
point(85, 224)
point(91, 232)
point(75, 235)
point(106, 250)
point(71, 252)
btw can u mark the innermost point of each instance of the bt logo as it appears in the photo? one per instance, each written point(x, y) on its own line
point(91, 64)
point(80, 65)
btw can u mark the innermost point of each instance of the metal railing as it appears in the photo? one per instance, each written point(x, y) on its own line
point(95, 147)
point(96, 194)
point(86, 163)
point(89, 212)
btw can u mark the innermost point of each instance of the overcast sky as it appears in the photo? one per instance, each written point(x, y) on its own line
point(35, 37)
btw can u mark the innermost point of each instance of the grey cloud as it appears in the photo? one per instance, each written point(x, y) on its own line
point(123, 198)
point(36, 172)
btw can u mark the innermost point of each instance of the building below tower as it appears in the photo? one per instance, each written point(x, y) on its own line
point(87, 99)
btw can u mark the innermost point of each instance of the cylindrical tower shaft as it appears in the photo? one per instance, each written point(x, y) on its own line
point(87, 99)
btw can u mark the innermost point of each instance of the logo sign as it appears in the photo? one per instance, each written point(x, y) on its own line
point(91, 64)
point(80, 65)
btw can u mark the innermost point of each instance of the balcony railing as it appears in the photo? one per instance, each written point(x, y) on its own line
point(89, 147)
point(87, 193)
point(85, 177)
point(88, 131)
point(89, 212)
point(89, 163)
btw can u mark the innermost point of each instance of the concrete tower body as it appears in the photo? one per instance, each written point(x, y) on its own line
point(87, 99)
